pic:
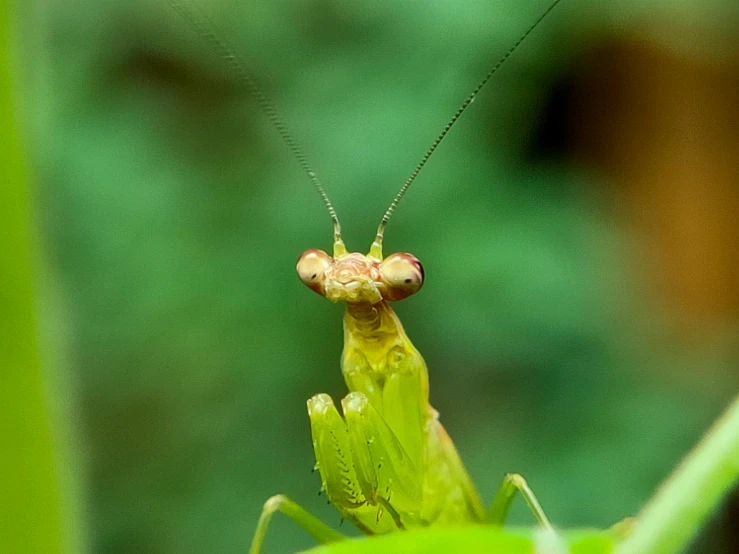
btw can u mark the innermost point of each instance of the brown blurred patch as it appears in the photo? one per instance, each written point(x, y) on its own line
point(663, 124)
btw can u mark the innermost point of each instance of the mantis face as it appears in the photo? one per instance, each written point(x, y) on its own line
point(358, 279)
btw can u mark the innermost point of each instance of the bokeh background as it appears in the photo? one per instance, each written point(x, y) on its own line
point(578, 228)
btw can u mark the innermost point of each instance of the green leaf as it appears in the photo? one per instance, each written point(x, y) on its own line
point(480, 539)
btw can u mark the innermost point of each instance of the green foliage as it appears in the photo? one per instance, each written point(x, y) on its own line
point(479, 539)
point(692, 493)
point(32, 518)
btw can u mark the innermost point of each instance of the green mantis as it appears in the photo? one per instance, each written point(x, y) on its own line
point(386, 464)
point(385, 461)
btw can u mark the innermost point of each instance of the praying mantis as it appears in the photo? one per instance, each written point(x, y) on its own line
point(385, 462)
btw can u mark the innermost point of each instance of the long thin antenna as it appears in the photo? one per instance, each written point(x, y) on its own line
point(376, 250)
point(202, 24)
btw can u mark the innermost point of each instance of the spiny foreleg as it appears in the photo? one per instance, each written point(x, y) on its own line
point(364, 468)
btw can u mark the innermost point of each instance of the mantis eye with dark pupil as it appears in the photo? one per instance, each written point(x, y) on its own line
point(402, 275)
point(312, 266)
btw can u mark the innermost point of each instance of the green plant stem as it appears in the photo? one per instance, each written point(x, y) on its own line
point(31, 514)
point(691, 494)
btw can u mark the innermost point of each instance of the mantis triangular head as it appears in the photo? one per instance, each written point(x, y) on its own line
point(356, 278)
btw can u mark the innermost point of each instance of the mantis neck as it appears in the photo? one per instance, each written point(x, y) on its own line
point(375, 346)
point(372, 321)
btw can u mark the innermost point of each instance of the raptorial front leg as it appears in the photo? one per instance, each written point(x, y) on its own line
point(364, 468)
point(513, 483)
point(387, 474)
point(334, 457)
point(281, 503)
point(335, 461)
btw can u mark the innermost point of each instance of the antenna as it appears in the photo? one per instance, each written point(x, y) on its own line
point(376, 249)
point(201, 23)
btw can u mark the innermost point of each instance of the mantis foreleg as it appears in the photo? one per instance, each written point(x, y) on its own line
point(365, 470)
point(513, 483)
point(281, 503)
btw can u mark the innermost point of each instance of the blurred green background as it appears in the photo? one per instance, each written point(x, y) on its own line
point(578, 229)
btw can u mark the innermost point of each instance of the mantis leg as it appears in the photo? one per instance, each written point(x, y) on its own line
point(513, 483)
point(364, 468)
point(386, 473)
point(281, 503)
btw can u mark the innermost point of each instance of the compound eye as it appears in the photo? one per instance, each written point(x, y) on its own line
point(402, 275)
point(312, 266)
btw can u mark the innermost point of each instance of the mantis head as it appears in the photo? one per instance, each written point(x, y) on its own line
point(358, 279)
